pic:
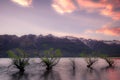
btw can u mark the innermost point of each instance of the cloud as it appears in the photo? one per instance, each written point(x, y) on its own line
point(112, 31)
point(89, 5)
point(61, 34)
point(24, 3)
point(109, 8)
point(63, 6)
point(89, 31)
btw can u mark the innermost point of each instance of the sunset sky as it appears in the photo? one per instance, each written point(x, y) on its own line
point(95, 19)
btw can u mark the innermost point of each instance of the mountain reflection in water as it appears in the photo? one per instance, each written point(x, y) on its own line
point(62, 71)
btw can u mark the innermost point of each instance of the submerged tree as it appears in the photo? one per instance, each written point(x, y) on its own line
point(51, 58)
point(73, 65)
point(109, 60)
point(19, 59)
point(90, 59)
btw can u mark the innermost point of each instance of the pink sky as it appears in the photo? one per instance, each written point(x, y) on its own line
point(96, 19)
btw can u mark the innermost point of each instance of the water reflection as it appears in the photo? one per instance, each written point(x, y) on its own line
point(110, 73)
point(91, 74)
point(72, 74)
point(19, 76)
point(50, 75)
point(63, 71)
point(113, 74)
point(44, 75)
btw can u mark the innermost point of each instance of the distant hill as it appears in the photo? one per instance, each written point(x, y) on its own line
point(70, 46)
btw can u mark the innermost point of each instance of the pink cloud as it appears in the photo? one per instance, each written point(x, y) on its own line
point(112, 31)
point(109, 8)
point(63, 6)
point(89, 31)
point(89, 5)
point(24, 3)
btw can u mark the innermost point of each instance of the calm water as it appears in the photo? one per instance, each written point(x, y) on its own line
point(62, 71)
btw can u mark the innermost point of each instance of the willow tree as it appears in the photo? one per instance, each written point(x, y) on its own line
point(19, 59)
point(51, 58)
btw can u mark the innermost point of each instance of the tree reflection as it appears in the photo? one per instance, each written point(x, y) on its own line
point(19, 76)
point(91, 74)
point(72, 74)
point(50, 75)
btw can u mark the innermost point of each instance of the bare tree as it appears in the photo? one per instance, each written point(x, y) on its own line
point(90, 59)
point(51, 58)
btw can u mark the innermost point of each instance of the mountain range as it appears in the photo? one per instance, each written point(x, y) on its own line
point(69, 46)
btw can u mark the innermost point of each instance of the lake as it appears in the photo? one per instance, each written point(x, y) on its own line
point(62, 71)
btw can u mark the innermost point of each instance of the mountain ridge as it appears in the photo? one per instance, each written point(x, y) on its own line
point(70, 46)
